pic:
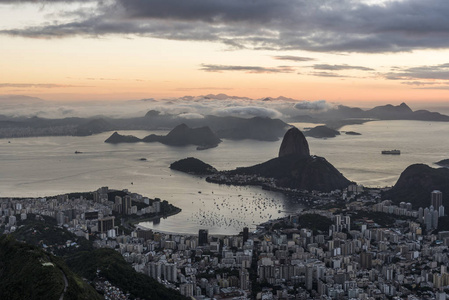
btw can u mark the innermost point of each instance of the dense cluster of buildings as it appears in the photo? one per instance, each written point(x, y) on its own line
point(78, 214)
point(354, 258)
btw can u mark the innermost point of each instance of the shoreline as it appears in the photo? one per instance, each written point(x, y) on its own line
point(135, 223)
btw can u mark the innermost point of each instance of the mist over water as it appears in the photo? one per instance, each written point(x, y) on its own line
point(48, 166)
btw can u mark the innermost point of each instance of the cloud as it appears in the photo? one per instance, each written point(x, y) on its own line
point(40, 1)
point(248, 112)
point(323, 26)
point(102, 79)
point(293, 58)
point(191, 116)
point(248, 69)
point(421, 75)
point(327, 74)
point(37, 85)
point(313, 105)
point(419, 83)
point(203, 88)
point(188, 107)
point(340, 67)
point(442, 87)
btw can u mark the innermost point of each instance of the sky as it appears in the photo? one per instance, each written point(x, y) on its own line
point(341, 51)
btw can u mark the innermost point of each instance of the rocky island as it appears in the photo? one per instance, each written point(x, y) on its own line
point(322, 132)
point(193, 166)
point(181, 135)
point(117, 138)
point(443, 163)
point(353, 133)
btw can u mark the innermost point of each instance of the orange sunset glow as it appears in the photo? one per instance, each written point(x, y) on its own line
point(116, 50)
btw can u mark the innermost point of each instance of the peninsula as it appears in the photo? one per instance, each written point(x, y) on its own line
point(294, 168)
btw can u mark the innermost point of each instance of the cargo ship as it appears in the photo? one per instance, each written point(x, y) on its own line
point(394, 152)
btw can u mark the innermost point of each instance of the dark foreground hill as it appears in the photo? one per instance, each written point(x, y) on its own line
point(116, 270)
point(28, 272)
point(81, 260)
point(417, 182)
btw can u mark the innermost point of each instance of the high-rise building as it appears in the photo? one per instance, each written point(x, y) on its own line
point(436, 199)
point(91, 215)
point(106, 224)
point(126, 205)
point(347, 223)
point(12, 220)
point(366, 260)
point(245, 234)
point(145, 234)
point(157, 205)
point(155, 270)
point(60, 218)
point(420, 214)
point(435, 219)
point(427, 218)
point(202, 237)
point(244, 279)
point(186, 289)
point(309, 277)
point(170, 272)
point(118, 204)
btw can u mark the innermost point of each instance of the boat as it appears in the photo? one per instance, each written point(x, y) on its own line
point(78, 152)
point(394, 152)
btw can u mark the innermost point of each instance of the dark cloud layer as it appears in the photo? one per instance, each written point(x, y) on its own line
point(293, 58)
point(340, 67)
point(421, 75)
point(36, 85)
point(248, 69)
point(326, 74)
point(321, 25)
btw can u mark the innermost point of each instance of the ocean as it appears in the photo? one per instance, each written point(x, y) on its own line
point(46, 166)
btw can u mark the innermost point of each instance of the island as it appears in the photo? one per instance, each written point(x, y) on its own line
point(193, 166)
point(322, 132)
point(352, 133)
point(443, 163)
point(181, 135)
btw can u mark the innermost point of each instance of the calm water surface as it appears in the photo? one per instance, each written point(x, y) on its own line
point(48, 166)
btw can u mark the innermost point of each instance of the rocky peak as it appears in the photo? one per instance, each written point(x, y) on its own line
point(405, 108)
point(294, 142)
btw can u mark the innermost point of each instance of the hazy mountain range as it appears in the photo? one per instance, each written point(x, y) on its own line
point(229, 117)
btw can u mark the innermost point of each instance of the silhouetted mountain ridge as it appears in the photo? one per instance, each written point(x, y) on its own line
point(28, 272)
point(417, 182)
point(181, 135)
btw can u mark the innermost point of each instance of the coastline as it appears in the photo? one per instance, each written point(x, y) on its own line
point(135, 222)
